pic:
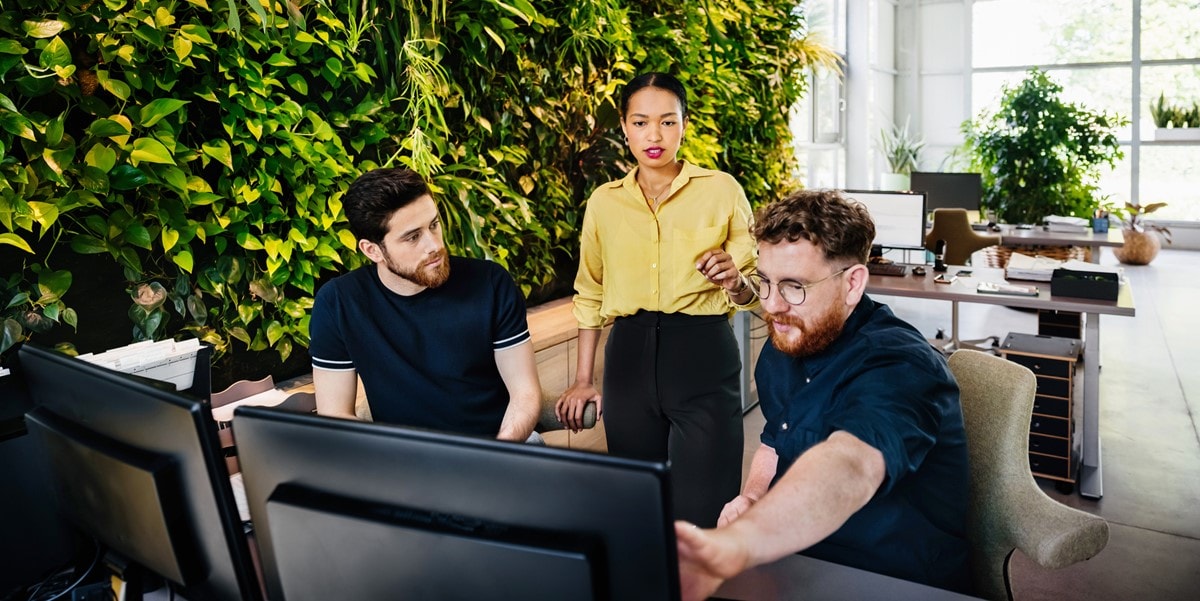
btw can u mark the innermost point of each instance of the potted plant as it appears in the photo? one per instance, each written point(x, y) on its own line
point(1040, 155)
point(1175, 122)
point(1142, 240)
point(902, 149)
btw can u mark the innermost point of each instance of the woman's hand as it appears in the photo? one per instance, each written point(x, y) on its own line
point(717, 266)
point(572, 402)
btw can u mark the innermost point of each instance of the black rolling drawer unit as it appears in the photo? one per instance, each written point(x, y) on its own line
point(1052, 428)
point(1064, 324)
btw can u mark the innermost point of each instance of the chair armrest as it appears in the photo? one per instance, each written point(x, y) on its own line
point(548, 421)
point(1054, 535)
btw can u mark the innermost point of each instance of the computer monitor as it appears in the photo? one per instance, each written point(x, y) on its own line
point(899, 217)
point(138, 466)
point(355, 510)
point(948, 190)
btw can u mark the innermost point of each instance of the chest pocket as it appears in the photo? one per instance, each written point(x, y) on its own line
point(688, 244)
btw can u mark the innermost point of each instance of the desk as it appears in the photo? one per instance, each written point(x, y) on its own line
point(1039, 236)
point(800, 577)
point(1091, 483)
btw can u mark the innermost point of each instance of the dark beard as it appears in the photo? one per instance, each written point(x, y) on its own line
point(422, 276)
point(813, 339)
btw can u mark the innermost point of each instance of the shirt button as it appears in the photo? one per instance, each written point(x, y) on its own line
point(654, 266)
point(784, 426)
point(807, 380)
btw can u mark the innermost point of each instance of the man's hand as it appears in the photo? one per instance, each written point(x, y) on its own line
point(734, 509)
point(572, 402)
point(706, 559)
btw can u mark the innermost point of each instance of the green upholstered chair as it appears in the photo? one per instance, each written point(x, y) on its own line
point(1008, 511)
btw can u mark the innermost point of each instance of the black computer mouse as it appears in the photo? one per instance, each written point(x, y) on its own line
point(918, 270)
point(995, 227)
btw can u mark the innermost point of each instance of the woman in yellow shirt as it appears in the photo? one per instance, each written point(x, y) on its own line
point(664, 252)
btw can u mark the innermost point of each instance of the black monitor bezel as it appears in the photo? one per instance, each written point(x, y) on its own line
point(341, 440)
point(218, 532)
point(932, 201)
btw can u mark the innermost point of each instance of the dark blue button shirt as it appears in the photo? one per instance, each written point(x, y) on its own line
point(882, 382)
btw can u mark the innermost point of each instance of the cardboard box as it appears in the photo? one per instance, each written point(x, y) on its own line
point(1084, 284)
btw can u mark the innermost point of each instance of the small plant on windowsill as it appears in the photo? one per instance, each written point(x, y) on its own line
point(1175, 121)
point(1142, 240)
point(902, 149)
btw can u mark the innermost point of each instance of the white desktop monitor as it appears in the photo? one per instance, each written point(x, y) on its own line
point(899, 217)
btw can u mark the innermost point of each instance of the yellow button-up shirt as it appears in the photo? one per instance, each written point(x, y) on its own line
point(633, 257)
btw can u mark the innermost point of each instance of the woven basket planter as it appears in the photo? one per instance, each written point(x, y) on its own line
point(997, 256)
point(1139, 249)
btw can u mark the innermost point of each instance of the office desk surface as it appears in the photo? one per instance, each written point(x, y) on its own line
point(963, 290)
point(1039, 236)
point(800, 577)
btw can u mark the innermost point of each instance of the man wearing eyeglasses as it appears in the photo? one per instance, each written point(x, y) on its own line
point(863, 458)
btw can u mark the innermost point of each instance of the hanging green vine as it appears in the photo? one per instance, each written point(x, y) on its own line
point(203, 147)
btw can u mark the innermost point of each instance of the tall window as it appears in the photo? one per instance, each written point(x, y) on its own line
point(818, 120)
point(1113, 55)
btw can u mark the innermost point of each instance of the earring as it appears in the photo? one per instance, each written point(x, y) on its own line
point(626, 138)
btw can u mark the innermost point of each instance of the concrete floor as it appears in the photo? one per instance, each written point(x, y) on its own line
point(1150, 436)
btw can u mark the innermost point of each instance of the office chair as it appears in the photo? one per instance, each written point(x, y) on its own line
point(1007, 509)
point(952, 227)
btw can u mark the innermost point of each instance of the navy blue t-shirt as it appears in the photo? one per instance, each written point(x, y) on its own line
point(882, 382)
point(426, 360)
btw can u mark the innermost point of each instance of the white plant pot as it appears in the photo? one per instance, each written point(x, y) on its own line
point(1177, 133)
point(893, 181)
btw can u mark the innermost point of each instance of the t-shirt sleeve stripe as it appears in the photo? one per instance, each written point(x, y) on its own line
point(332, 365)
point(511, 341)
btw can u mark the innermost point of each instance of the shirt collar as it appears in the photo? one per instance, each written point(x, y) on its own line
point(858, 318)
point(689, 171)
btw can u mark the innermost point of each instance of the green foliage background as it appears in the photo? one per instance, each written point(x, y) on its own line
point(1039, 154)
point(204, 145)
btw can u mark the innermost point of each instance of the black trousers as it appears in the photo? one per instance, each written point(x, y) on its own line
point(671, 393)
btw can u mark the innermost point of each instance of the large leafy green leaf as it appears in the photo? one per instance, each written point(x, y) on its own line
point(150, 150)
point(157, 109)
point(42, 29)
point(15, 240)
point(127, 177)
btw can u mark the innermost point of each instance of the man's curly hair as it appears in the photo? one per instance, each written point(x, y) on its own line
point(841, 227)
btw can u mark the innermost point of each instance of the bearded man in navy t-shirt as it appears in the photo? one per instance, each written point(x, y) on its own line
point(439, 342)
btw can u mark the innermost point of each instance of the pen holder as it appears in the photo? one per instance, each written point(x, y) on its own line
point(1100, 225)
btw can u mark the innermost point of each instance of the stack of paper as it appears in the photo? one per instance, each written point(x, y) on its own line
point(1058, 223)
point(1025, 267)
point(166, 360)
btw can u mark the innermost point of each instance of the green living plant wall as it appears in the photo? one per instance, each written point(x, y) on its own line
point(203, 149)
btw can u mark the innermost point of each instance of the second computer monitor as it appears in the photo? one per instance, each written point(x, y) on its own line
point(899, 217)
point(948, 190)
point(355, 510)
point(138, 466)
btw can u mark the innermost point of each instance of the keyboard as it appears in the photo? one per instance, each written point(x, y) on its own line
point(887, 269)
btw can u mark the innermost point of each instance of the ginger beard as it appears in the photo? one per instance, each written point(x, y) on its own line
point(425, 274)
point(805, 339)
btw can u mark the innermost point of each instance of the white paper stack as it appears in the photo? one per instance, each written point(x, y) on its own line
point(1025, 267)
point(1058, 223)
point(165, 360)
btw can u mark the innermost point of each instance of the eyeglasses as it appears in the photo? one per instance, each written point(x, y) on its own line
point(792, 292)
